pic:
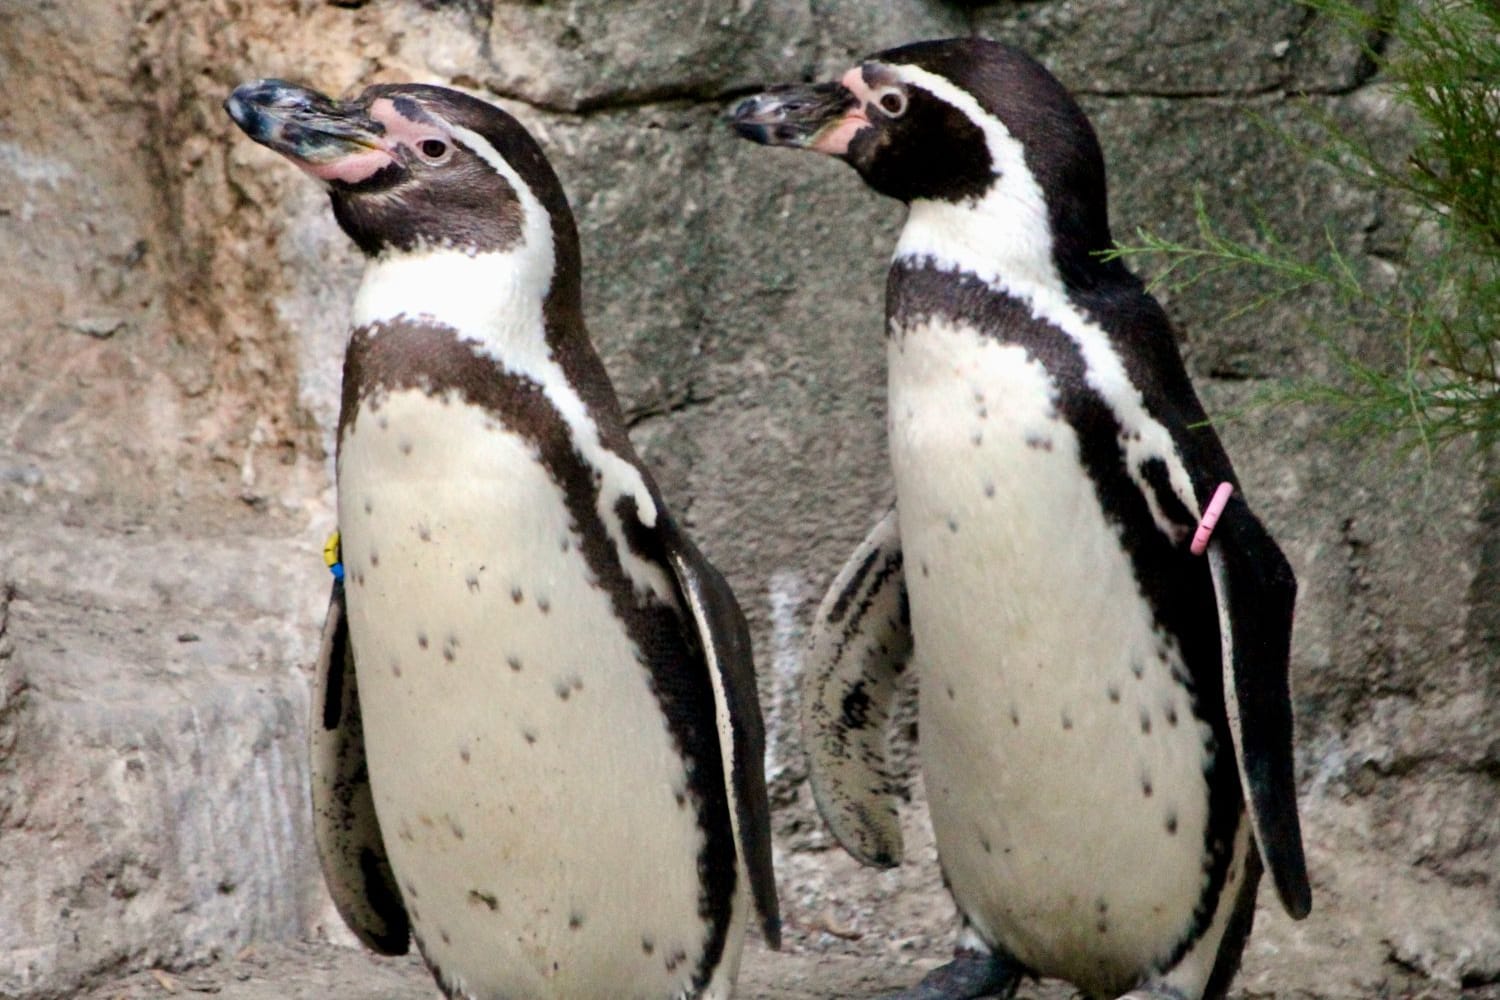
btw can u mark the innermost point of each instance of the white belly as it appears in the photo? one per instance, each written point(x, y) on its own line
point(1063, 765)
point(528, 790)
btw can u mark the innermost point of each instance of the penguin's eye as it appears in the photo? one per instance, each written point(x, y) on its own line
point(433, 150)
point(893, 103)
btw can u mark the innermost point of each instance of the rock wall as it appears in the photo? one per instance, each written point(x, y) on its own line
point(174, 300)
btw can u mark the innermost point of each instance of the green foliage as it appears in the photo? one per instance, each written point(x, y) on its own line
point(1441, 302)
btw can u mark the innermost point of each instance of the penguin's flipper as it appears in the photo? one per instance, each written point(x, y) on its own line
point(860, 646)
point(355, 864)
point(725, 640)
point(1256, 592)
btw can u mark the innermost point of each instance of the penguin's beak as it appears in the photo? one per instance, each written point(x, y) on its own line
point(332, 140)
point(822, 117)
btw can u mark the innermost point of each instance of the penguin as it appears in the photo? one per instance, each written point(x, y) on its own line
point(1104, 714)
point(537, 747)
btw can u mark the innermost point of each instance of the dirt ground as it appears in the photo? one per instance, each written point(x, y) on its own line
point(308, 971)
point(330, 972)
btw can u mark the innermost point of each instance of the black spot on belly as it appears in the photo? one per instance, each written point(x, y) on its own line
point(1171, 715)
point(647, 945)
point(1039, 442)
point(950, 692)
point(1138, 669)
point(444, 935)
point(463, 753)
point(675, 959)
point(1145, 722)
point(514, 662)
point(977, 438)
point(395, 669)
point(529, 735)
point(369, 506)
point(984, 843)
point(422, 640)
point(1114, 693)
point(566, 544)
point(472, 582)
point(575, 920)
point(564, 689)
point(424, 532)
point(374, 558)
point(455, 828)
point(1015, 716)
point(989, 490)
point(543, 605)
point(411, 890)
point(1146, 786)
point(953, 525)
point(405, 446)
point(488, 899)
point(516, 595)
point(1067, 721)
point(1172, 823)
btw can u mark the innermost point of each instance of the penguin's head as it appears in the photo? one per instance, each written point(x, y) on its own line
point(962, 121)
point(408, 166)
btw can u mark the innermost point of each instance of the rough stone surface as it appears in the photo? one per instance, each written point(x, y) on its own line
point(1237, 48)
point(592, 53)
point(153, 804)
point(175, 298)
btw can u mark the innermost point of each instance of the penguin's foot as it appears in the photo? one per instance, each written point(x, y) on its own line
point(971, 975)
point(1155, 991)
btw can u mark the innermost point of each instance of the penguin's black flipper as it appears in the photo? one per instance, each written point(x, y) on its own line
point(860, 646)
point(1256, 592)
point(350, 847)
point(725, 640)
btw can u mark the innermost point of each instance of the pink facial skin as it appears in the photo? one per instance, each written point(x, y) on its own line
point(351, 169)
point(835, 139)
point(399, 131)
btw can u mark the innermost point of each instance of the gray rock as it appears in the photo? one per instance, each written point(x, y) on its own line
point(592, 53)
point(847, 32)
point(1161, 48)
point(155, 791)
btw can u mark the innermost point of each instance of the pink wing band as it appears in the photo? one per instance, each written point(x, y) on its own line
point(1210, 518)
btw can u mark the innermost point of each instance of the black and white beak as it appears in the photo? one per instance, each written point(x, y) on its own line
point(822, 117)
point(332, 140)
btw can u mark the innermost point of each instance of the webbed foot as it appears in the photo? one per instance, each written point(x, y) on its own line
point(970, 976)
